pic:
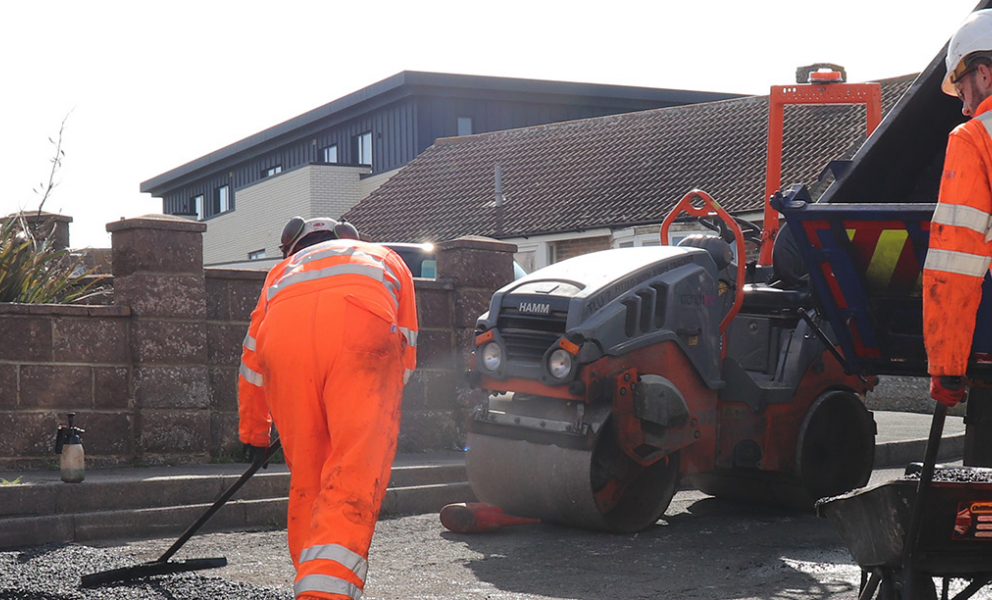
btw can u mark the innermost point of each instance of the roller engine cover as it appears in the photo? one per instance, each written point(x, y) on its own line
point(607, 303)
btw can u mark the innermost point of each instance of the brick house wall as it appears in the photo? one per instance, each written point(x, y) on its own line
point(570, 248)
point(263, 208)
point(153, 377)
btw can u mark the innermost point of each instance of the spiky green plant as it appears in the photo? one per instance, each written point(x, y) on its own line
point(33, 271)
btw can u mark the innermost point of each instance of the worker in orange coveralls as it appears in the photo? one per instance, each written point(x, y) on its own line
point(331, 343)
point(960, 233)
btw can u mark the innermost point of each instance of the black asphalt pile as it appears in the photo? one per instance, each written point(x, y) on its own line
point(53, 572)
point(958, 475)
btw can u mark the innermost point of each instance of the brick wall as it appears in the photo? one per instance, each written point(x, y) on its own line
point(153, 378)
point(59, 359)
point(570, 248)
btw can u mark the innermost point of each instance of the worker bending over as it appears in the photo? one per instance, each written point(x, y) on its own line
point(330, 345)
point(960, 233)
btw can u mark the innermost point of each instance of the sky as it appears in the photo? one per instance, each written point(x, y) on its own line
point(145, 86)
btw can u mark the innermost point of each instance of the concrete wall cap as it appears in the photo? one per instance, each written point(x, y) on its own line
point(167, 222)
point(221, 273)
point(433, 284)
point(476, 242)
point(70, 310)
point(33, 215)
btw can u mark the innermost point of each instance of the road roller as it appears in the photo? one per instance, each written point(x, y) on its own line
point(615, 377)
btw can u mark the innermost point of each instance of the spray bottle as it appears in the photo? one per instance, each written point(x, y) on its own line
point(70, 447)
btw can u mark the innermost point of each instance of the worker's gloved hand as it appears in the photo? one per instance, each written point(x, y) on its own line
point(947, 389)
point(256, 455)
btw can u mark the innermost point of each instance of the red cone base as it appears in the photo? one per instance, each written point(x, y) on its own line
point(478, 517)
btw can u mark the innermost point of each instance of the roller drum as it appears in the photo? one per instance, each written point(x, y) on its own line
point(541, 481)
point(559, 484)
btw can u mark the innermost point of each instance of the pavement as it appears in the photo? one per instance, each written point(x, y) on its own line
point(36, 507)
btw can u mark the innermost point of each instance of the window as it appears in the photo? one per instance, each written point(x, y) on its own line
point(272, 171)
point(466, 125)
point(331, 154)
point(363, 148)
point(198, 206)
point(256, 254)
point(222, 199)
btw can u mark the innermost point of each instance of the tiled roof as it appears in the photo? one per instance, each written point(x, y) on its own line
point(609, 171)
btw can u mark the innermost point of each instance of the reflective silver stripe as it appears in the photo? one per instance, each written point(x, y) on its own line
point(986, 119)
point(249, 342)
point(406, 375)
point(345, 269)
point(383, 273)
point(324, 252)
point(962, 216)
point(339, 554)
point(252, 377)
point(390, 280)
point(327, 584)
point(410, 335)
point(961, 263)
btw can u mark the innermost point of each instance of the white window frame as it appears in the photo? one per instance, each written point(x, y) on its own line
point(198, 207)
point(363, 148)
point(256, 254)
point(223, 198)
point(465, 125)
point(333, 148)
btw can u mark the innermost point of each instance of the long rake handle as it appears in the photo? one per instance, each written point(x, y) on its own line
point(192, 529)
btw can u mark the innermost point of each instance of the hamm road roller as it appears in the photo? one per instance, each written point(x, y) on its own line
point(616, 375)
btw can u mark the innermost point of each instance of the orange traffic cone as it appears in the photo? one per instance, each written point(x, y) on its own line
point(479, 517)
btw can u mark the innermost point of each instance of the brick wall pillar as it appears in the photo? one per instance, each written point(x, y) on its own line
point(158, 274)
point(477, 267)
point(46, 226)
point(474, 268)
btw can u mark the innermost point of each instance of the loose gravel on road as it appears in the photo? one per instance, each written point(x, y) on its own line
point(703, 549)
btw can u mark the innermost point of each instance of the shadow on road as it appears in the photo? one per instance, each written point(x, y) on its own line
point(707, 548)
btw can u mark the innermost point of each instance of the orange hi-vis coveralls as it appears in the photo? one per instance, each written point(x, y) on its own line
point(331, 343)
point(960, 249)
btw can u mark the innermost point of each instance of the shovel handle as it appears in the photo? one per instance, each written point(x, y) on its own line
point(192, 529)
point(922, 488)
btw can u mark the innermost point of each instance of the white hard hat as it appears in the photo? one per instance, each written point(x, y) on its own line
point(975, 35)
point(299, 228)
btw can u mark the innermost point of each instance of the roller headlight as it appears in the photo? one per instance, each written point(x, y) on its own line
point(560, 364)
point(492, 356)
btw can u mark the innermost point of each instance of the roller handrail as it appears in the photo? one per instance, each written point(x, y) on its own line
point(712, 208)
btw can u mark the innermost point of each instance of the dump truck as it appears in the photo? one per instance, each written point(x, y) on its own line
point(615, 376)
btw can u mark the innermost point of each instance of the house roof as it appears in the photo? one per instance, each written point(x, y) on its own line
point(408, 83)
point(613, 171)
